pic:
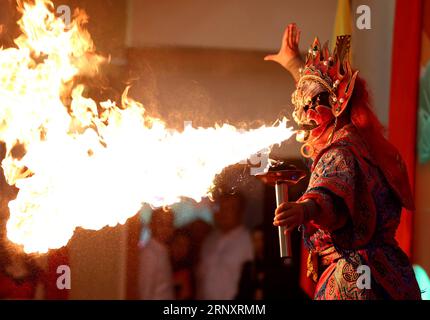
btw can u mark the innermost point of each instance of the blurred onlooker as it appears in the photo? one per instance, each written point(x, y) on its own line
point(19, 275)
point(224, 251)
point(252, 280)
point(180, 250)
point(155, 271)
point(198, 230)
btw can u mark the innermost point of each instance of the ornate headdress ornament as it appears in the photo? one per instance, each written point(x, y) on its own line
point(332, 72)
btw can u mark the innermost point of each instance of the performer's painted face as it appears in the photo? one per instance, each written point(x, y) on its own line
point(312, 112)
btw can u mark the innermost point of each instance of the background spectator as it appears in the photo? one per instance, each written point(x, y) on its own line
point(182, 265)
point(254, 272)
point(155, 272)
point(224, 251)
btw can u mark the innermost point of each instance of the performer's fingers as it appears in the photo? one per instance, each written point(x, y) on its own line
point(290, 229)
point(283, 207)
point(289, 35)
point(285, 36)
point(285, 222)
point(280, 218)
point(270, 57)
point(298, 38)
point(290, 209)
point(281, 222)
point(289, 224)
point(293, 35)
point(284, 215)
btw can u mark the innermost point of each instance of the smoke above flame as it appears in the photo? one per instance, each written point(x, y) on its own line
point(93, 164)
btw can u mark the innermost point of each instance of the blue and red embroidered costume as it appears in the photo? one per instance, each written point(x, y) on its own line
point(360, 212)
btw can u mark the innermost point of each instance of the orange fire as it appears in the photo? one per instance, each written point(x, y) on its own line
point(89, 164)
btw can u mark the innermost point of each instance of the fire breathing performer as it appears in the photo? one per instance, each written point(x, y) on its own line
point(351, 209)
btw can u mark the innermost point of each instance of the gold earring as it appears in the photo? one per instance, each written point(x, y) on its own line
point(307, 150)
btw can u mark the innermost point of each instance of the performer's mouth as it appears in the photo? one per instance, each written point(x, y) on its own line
point(304, 120)
point(308, 126)
point(304, 130)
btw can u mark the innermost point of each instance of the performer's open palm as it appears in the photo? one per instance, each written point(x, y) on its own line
point(289, 214)
point(289, 48)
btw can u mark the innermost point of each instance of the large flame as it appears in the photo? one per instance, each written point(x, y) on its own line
point(88, 164)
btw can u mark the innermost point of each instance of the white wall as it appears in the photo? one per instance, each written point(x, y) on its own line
point(372, 52)
point(258, 25)
point(239, 24)
point(98, 263)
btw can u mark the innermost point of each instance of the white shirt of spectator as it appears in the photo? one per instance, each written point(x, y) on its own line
point(155, 272)
point(221, 261)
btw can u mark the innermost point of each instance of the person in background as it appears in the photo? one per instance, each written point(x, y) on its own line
point(224, 251)
point(155, 271)
point(19, 275)
point(198, 230)
point(253, 276)
point(180, 251)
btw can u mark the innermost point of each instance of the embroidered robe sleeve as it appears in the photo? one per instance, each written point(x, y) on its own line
point(346, 209)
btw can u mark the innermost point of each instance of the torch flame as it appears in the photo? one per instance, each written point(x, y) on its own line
point(89, 164)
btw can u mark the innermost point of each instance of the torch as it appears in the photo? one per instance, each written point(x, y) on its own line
point(281, 177)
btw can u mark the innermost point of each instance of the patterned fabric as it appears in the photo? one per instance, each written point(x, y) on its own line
point(358, 219)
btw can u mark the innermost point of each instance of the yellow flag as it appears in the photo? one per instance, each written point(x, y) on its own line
point(343, 21)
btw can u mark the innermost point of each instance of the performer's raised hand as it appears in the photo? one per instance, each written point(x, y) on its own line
point(289, 48)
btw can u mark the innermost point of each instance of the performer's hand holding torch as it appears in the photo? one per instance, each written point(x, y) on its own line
point(281, 175)
point(293, 214)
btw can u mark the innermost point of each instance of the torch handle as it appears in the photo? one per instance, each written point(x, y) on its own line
point(284, 240)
